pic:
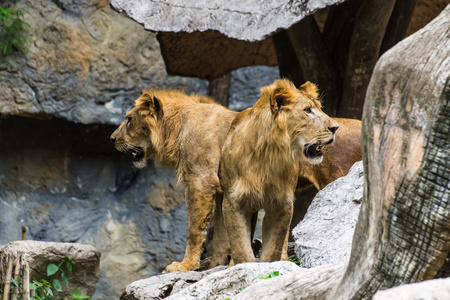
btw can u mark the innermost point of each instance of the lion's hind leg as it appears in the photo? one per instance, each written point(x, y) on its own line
point(200, 204)
point(220, 243)
point(275, 230)
point(238, 225)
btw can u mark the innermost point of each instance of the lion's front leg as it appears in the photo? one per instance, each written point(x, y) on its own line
point(276, 229)
point(238, 224)
point(200, 207)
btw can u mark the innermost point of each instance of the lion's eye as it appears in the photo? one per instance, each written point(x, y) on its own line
point(128, 120)
point(308, 110)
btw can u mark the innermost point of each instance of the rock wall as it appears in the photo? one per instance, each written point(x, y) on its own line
point(66, 183)
point(86, 63)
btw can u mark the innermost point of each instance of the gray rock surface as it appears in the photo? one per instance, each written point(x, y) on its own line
point(244, 20)
point(436, 289)
point(325, 234)
point(83, 62)
point(67, 183)
point(87, 64)
point(38, 255)
point(162, 286)
point(218, 283)
point(246, 83)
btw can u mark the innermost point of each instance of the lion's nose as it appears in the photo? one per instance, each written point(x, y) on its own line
point(113, 139)
point(333, 129)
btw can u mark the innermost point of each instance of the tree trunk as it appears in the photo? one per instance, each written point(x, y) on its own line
point(287, 59)
point(368, 33)
point(403, 231)
point(315, 62)
point(398, 23)
point(337, 33)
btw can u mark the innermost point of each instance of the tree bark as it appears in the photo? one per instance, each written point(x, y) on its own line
point(403, 231)
point(337, 33)
point(368, 33)
point(315, 62)
point(287, 59)
point(398, 23)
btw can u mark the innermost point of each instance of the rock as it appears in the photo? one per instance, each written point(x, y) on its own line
point(87, 64)
point(236, 19)
point(162, 286)
point(83, 62)
point(67, 183)
point(425, 290)
point(217, 283)
point(325, 234)
point(38, 255)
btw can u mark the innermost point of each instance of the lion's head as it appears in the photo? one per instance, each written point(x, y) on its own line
point(139, 133)
point(300, 112)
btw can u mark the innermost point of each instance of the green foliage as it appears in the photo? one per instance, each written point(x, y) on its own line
point(77, 295)
point(271, 275)
point(12, 26)
point(43, 289)
point(294, 259)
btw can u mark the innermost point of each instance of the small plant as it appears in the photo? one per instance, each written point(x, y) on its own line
point(271, 275)
point(12, 26)
point(294, 259)
point(43, 289)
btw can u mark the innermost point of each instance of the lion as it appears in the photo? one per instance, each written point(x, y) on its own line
point(187, 132)
point(266, 146)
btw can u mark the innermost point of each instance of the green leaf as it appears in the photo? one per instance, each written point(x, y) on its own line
point(274, 274)
point(57, 285)
point(52, 269)
point(48, 291)
point(76, 292)
point(69, 264)
point(15, 282)
point(65, 278)
point(77, 295)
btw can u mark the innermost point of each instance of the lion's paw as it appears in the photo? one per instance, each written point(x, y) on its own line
point(182, 267)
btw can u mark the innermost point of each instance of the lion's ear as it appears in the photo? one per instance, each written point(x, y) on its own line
point(310, 89)
point(281, 95)
point(153, 105)
point(157, 108)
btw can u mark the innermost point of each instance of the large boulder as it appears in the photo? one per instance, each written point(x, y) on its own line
point(86, 63)
point(38, 255)
point(325, 234)
point(427, 290)
point(217, 283)
point(235, 19)
point(83, 62)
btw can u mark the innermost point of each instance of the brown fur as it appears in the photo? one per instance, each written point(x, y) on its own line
point(338, 157)
point(260, 164)
point(187, 132)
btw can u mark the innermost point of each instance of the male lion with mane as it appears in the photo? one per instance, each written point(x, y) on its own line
point(187, 132)
point(260, 164)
